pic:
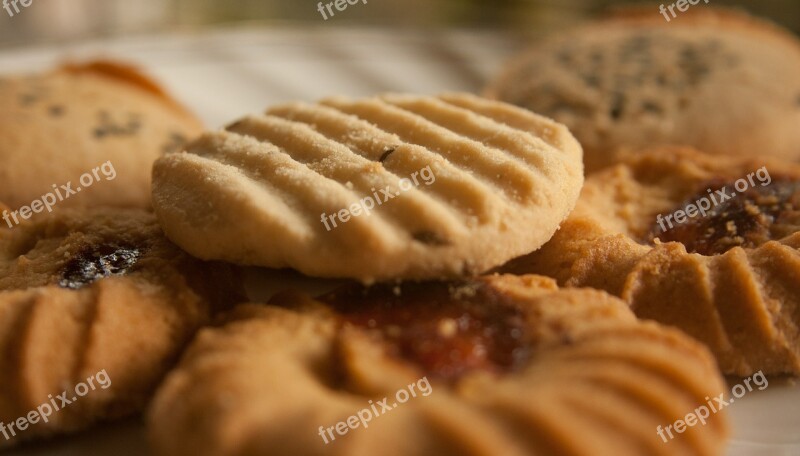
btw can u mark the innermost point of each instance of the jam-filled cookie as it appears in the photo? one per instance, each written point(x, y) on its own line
point(495, 365)
point(94, 294)
point(391, 187)
point(717, 80)
point(705, 243)
point(87, 134)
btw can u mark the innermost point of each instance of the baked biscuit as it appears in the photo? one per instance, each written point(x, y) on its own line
point(58, 126)
point(392, 187)
point(670, 232)
point(496, 365)
point(85, 292)
point(717, 80)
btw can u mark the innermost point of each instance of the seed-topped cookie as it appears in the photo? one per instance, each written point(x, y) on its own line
point(498, 365)
point(87, 134)
point(88, 292)
point(717, 80)
point(396, 186)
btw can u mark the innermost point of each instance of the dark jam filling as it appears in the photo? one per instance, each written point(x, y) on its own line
point(748, 219)
point(95, 262)
point(447, 330)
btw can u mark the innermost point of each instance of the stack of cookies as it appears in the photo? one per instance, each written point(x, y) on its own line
point(691, 211)
point(496, 301)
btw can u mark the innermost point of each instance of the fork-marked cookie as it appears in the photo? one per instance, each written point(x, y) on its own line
point(391, 187)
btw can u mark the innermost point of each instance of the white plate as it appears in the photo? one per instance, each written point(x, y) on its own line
point(227, 73)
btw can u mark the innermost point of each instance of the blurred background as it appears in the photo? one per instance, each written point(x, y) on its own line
point(226, 57)
point(66, 20)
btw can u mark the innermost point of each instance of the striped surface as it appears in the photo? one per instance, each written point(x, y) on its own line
point(130, 322)
point(254, 192)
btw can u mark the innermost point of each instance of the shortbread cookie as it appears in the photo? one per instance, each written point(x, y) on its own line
point(499, 365)
point(717, 80)
point(728, 278)
point(88, 292)
point(102, 120)
point(397, 186)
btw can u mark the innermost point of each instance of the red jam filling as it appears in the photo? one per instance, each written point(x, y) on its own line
point(446, 329)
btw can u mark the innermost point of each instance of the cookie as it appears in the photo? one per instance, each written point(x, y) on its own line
point(96, 298)
point(87, 134)
point(495, 365)
point(397, 186)
point(717, 80)
point(703, 243)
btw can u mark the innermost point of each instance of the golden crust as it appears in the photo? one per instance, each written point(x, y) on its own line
point(132, 76)
point(743, 302)
point(270, 376)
